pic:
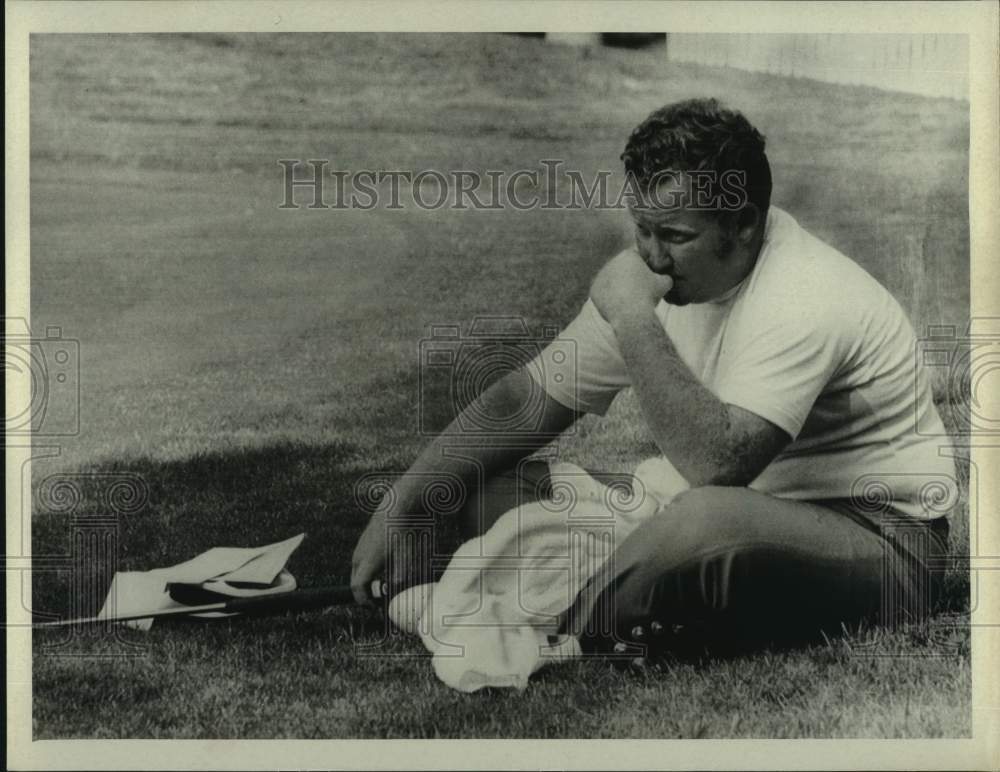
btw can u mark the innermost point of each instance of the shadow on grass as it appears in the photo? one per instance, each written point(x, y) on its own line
point(146, 514)
point(315, 681)
point(247, 498)
point(137, 514)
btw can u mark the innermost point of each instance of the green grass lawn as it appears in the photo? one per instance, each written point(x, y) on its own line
point(250, 365)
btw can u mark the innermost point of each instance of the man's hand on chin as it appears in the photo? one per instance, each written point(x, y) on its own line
point(625, 286)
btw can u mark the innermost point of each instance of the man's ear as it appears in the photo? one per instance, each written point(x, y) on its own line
point(748, 220)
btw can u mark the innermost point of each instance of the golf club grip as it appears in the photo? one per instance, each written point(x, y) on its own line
point(300, 600)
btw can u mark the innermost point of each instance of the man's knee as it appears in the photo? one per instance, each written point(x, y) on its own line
point(695, 519)
point(522, 484)
point(706, 500)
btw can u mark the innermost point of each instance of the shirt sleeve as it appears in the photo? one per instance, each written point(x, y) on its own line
point(583, 368)
point(779, 370)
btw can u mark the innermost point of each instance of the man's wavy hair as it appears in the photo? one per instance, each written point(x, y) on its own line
point(699, 134)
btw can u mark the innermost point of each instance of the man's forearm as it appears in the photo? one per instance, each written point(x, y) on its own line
point(451, 458)
point(470, 459)
point(689, 423)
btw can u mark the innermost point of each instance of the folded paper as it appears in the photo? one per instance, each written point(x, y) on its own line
point(138, 592)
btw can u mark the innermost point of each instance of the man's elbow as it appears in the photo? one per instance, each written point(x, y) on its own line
point(726, 466)
point(744, 449)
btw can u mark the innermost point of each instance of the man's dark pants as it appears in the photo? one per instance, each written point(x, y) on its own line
point(725, 568)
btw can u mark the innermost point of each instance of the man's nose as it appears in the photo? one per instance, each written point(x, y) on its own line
point(658, 257)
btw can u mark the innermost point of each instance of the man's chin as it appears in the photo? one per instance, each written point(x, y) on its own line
point(676, 298)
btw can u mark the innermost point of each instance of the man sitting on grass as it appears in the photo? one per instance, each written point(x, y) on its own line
point(774, 373)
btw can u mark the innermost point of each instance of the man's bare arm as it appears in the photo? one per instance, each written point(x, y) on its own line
point(491, 453)
point(710, 442)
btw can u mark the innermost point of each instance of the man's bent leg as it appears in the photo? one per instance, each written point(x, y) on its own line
point(736, 560)
point(527, 482)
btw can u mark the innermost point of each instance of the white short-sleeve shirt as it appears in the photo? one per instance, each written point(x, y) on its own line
point(815, 345)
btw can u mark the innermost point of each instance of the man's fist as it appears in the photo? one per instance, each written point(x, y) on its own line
point(626, 285)
point(369, 558)
point(401, 559)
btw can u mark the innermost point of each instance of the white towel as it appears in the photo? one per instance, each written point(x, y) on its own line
point(492, 618)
